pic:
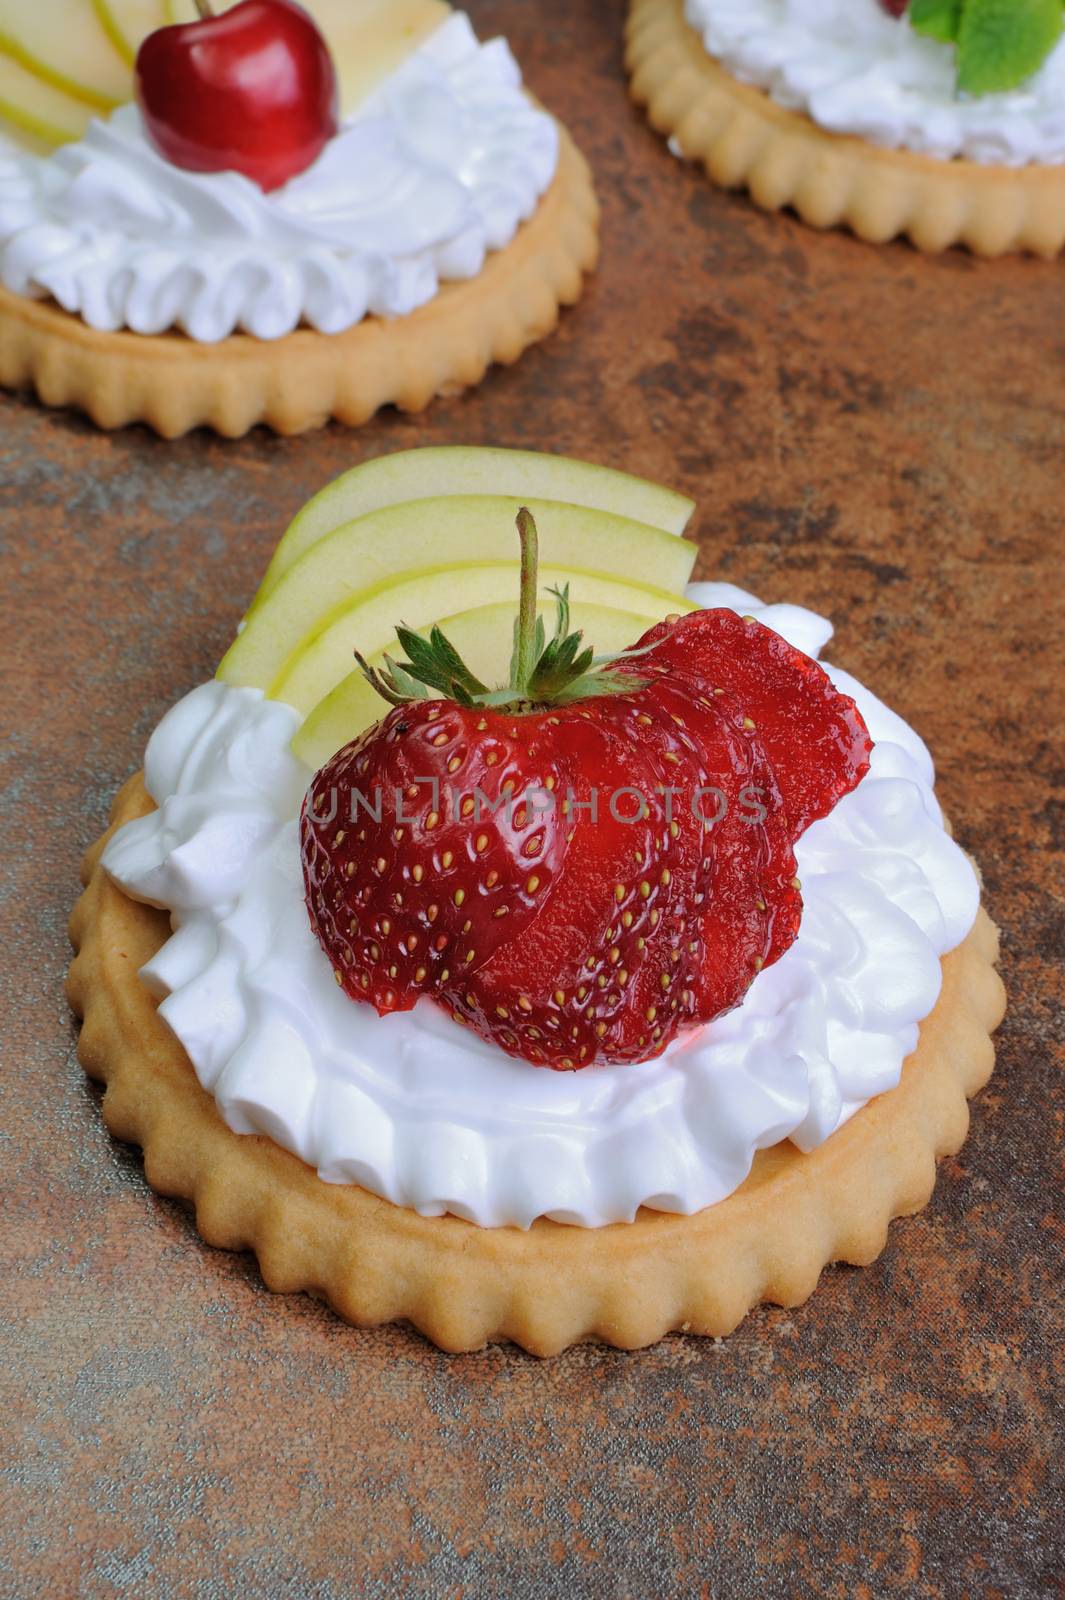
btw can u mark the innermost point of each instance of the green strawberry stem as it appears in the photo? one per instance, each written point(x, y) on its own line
point(525, 652)
point(205, 10)
point(543, 672)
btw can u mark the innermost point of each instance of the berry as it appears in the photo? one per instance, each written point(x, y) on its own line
point(581, 864)
point(815, 737)
point(253, 90)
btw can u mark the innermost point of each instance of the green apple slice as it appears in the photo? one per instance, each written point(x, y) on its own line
point(448, 470)
point(185, 10)
point(368, 39)
point(416, 599)
point(39, 109)
point(459, 531)
point(483, 638)
point(129, 22)
point(63, 43)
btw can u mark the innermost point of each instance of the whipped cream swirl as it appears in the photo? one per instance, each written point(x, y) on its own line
point(855, 69)
point(438, 167)
point(418, 1109)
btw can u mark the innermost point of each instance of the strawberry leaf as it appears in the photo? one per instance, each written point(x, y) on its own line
point(436, 662)
point(1001, 43)
point(937, 19)
point(452, 662)
point(404, 683)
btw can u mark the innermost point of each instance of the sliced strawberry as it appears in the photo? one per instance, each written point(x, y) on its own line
point(584, 863)
point(608, 968)
point(752, 898)
point(813, 735)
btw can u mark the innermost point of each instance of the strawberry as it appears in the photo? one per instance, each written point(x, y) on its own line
point(815, 735)
point(586, 861)
point(420, 867)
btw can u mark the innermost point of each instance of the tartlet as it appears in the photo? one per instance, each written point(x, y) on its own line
point(125, 367)
point(301, 381)
point(549, 1284)
point(747, 140)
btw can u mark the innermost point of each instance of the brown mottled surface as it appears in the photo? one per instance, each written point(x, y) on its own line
point(868, 432)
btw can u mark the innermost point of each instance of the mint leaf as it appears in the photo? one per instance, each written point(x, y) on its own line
point(1001, 43)
point(938, 19)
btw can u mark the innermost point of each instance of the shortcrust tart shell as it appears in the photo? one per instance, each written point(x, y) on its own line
point(552, 1286)
point(301, 381)
point(746, 141)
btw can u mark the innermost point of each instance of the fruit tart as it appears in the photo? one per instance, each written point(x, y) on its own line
point(264, 213)
point(583, 959)
point(940, 120)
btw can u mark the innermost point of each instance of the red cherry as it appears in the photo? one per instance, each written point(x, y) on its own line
point(895, 8)
point(253, 91)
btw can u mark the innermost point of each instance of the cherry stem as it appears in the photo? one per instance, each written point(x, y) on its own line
point(525, 651)
point(204, 8)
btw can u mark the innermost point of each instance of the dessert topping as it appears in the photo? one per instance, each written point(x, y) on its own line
point(253, 90)
point(591, 858)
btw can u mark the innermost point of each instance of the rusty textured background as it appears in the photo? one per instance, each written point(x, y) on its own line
point(874, 434)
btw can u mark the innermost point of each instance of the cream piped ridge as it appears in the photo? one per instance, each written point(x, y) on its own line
point(440, 166)
point(415, 1108)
